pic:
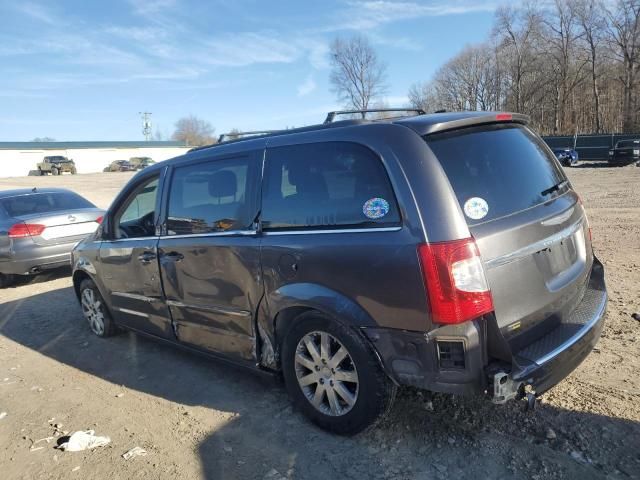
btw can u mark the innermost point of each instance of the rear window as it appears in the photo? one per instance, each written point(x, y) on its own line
point(498, 170)
point(35, 203)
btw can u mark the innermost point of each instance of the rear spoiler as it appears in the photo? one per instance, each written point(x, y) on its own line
point(441, 122)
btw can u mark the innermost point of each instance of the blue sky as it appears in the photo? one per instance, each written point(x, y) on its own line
point(82, 70)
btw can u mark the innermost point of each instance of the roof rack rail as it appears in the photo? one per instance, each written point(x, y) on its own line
point(332, 115)
point(237, 135)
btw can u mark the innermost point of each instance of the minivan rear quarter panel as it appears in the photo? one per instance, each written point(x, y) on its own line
point(379, 270)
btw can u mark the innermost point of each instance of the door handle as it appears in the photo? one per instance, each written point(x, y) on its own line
point(173, 256)
point(146, 257)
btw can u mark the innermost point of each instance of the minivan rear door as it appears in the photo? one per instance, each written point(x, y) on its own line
point(209, 253)
point(530, 228)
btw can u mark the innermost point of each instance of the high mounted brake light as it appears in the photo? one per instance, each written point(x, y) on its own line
point(455, 281)
point(504, 116)
point(21, 230)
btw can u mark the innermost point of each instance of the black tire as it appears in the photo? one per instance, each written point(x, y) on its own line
point(6, 280)
point(55, 171)
point(73, 170)
point(109, 327)
point(375, 391)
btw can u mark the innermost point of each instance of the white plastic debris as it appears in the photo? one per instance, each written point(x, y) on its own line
point(84, 440)
point(134, 452)
point(2, 415)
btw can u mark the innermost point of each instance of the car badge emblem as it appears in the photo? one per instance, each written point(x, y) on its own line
point(71, 218)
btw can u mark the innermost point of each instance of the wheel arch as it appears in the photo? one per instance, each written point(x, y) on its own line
point(285, 305)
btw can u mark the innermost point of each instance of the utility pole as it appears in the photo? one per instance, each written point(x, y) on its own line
point(146, 124)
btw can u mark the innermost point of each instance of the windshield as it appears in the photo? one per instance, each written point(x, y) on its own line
point(497, 170)
point(34, 203)
point(628, 144)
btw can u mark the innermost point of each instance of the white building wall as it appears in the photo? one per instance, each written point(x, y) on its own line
point(17, 163)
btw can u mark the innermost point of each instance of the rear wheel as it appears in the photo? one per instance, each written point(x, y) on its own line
point(6, 280)
point(333, 375)
point(95, 310)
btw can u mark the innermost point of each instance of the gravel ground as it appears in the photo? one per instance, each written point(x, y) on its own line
point(201, 419)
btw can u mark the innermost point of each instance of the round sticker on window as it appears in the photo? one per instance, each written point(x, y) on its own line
point(476, 208)
point(375, 208)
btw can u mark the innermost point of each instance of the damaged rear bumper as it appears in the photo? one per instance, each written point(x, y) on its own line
point(454, 359)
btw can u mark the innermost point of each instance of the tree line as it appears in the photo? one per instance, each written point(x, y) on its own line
point(571, 65)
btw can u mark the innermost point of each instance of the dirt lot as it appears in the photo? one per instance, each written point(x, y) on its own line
point(199, 419)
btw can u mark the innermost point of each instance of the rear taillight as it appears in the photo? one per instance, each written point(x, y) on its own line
point(455, 281)
point(99, 220)
point(20, 230)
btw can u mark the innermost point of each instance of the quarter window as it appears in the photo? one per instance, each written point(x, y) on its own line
point(210, 197)
point(326, 185)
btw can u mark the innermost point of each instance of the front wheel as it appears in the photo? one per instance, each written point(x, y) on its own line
point(73, 170)
point(54, 171)
point(332, 374)
point(95, 311)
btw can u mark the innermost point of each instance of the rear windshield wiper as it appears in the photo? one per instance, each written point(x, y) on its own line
point(554, 188)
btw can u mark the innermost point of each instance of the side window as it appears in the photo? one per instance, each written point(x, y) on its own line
point(137, 216)
point(326, 185)
point(213, 196)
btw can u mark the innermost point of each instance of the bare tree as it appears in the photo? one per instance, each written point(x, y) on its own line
point(624, 34)
point(593, 25)
point(517, 32)
point(357, 75)
point(194, 131)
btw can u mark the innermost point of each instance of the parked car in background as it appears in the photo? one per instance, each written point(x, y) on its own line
point(120, 166)
point(55, 165)
point(567, 157)
point(624, 153)
point(39, 227)
point(447, 252)
point(141, 162)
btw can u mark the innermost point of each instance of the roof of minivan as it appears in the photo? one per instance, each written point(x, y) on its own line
point(438, 122)
point(421, 124)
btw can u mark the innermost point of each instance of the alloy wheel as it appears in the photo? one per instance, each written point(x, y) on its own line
point(326, 373)
point(92, 310)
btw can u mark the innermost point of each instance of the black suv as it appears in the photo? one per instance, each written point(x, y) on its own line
point(445, 251)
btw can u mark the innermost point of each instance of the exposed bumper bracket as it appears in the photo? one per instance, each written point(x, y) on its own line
point(505, 388)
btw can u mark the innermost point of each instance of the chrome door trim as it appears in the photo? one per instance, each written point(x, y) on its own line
point(230, 233)
point(341, 230)
point(133, 296)
point(208, 308)
point(133, 312)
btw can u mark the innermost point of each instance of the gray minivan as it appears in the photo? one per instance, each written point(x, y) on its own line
point(445, 251)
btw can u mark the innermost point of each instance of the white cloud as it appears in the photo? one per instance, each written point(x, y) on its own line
point(37, 12)
point(306, 87)
point(146, 7)
point(368, 14)
point(248, 48)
